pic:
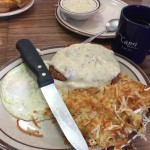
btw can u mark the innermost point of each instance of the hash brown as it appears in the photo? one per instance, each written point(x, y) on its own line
point(106, 116)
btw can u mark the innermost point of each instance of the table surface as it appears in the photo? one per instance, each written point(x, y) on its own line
point(40, 26)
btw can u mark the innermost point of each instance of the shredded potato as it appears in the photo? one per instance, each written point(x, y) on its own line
point(29, 130)
point(35, 123)
point(108, 115)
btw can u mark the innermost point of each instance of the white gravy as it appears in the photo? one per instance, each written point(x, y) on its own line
point(85, 65)
point(79, 6)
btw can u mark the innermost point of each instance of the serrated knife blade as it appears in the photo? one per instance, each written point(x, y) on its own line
point(45, 81)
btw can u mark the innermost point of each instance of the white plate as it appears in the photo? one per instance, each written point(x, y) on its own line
point(12, 138)
point(18, 11)
point(109, 9)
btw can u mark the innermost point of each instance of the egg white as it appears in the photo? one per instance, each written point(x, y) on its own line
point(21, 95)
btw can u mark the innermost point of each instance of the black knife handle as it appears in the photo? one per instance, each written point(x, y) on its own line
point(34, 61)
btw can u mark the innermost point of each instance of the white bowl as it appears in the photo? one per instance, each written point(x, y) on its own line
point(79, 9)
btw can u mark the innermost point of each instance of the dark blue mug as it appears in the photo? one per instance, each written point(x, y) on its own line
point(133, 35)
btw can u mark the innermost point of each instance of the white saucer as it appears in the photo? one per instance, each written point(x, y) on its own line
point(109, 9)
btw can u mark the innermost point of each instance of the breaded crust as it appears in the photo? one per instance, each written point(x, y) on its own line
point(7, 5)
point(56, 74)
point(23, 3)
point(3, 10)
point(120, 78)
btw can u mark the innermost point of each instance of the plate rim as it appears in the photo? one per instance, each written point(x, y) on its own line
point(18, 11)
point(146, 78)
point(47, 51)
point(75, 30)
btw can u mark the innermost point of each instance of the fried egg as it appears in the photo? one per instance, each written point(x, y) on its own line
point(21, 95)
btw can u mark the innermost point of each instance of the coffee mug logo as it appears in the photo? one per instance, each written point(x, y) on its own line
point(126, 44)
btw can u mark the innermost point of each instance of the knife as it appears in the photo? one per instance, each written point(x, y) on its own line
point(46, 83)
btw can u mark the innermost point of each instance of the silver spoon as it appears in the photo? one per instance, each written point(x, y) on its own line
point(111, 26)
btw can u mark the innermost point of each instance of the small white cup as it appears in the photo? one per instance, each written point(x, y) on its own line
point(79, 14)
